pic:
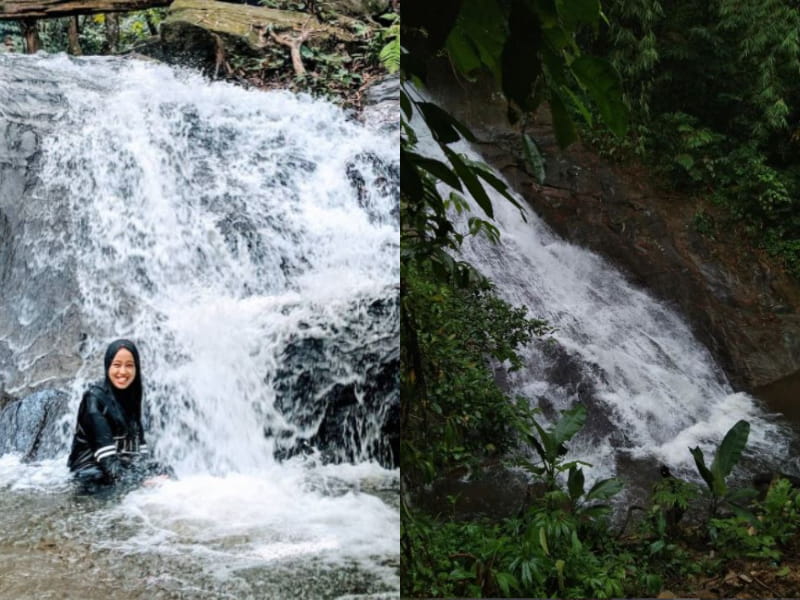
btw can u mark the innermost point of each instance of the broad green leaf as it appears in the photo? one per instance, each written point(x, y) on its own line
point(548, 453)
point(479, 34)
point(534, 158)
point(730, 450)
point(604, 85)
point(685, 160)
point(560, 564)
point(562, 123)
point(577, 104)
point(506, 581)
point(697, 453)
point(605, 489)
point(464, 56)
point(573, 12)
point(575, 483)
point(436, 168)
point(543, 541)
point(405, 104)
point(410, 182)
point(498, 184)
point(536, 446)
point(569, 424)
point(467, 175)
point(439, 122)
point(546, 12)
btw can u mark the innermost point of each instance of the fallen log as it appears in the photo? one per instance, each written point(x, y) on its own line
point(46, 9)
point(242, 25)
point(206, 33)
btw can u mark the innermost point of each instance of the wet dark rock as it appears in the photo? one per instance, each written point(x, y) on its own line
point(367, 172)
point(384, 90)
point(347, 409)
point(46, 339)
point(382, 105)
point(494, 492)
point(32, 426)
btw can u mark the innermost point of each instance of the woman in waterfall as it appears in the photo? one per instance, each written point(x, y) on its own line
point(109, 444)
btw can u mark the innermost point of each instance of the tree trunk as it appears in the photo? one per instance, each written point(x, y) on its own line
point(32, 9)
point(74, 47)
point(30, 31)
point(112, 32)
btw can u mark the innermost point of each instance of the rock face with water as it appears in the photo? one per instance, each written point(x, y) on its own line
point(743, 307)
point(330, 401)
point(39, 331)
point(253, 260)
point(32, 426)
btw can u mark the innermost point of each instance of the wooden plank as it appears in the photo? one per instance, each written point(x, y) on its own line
point(44, 9)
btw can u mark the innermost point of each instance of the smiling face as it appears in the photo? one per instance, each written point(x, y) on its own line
point(122, 371)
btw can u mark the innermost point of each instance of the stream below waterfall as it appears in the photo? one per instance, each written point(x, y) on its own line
point(248, 242)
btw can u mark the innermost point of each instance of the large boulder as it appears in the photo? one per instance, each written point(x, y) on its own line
point(356, 8)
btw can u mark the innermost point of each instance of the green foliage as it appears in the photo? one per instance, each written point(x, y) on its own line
point(777, 523)
point(704, 224)
point(735, 537)
point(389, 55)
point(713, 88)
point(780, 512)
point(728, 454)
point(453, 411)
point(559, 547)
point(549, 445)
point(530, 50)
point(672, 494)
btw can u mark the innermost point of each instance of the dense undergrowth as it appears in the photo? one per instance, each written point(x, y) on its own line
point(564, 542)
point(715, 109)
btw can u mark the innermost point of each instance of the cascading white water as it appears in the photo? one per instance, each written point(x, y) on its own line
point(652, 390)
point(219, 227)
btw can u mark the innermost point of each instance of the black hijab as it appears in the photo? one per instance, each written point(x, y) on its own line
point(131, 397)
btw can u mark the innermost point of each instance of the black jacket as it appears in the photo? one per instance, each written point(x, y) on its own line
point(108, 434)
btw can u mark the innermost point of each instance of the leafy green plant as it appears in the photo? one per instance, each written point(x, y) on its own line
point(736, 536)
point(780, 512)
point(728, 454)
point(389, 54)
point(458, 414)
point(549, 444)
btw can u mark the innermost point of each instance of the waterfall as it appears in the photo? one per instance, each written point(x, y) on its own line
point(248, 243)
point(651, 389)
